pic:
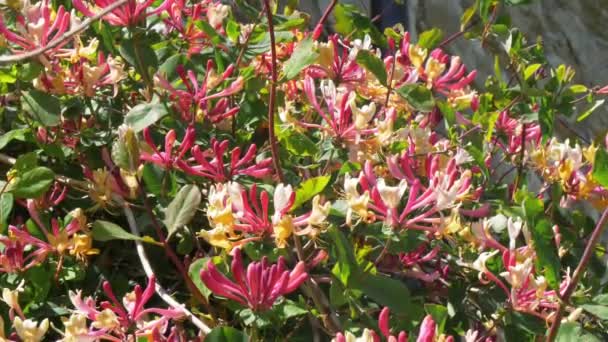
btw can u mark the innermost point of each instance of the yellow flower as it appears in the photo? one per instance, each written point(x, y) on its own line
point(106, 320)
point(326, 54)
point(589, 153)
point(433, 69)
point(283, 230)
point(417, 55)
point(82, 246)
point(218, 237)
point(30, 331)
point(75, 327)
point(60, 242)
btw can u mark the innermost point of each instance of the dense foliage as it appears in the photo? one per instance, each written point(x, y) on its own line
point(181, 170)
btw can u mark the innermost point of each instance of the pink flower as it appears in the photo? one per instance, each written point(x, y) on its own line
point(258, 287)
point(428, 329)
point(167, 158)
point(210, 163)
point(127, 15)
point(383, 324)
point(37, 27)
point(198, 96)
point(118, 318)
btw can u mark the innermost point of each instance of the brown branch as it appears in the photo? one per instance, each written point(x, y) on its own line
point(576, 276)
point(64, 37)
point(272, 97)
point(319, 28)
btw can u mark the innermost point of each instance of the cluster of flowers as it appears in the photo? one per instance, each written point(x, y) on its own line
point(404, 172)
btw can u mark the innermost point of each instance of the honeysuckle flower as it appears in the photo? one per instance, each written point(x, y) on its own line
point(358, 45)
point(37, 26)
point(216, 13)
point(367, 336)
point(428, 330)
point(30, 330)
point(195, 102)
point(128, 14)
point(167, 158)
point(334, 64)
point(391, 195)
point(120, 319)
point(257, 288)
point(513, 228)
point(210, 163)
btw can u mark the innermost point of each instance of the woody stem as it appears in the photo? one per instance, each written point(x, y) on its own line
point(274, 148)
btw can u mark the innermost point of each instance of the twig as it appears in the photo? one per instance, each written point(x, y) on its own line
point(64, 37)
point(457, 35)
point(274, 148)
point(145, 263)
point(319, 28)
point(332, 323)
point(576, 276)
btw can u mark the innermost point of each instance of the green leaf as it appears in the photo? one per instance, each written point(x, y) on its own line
point(33, 183)
point(384, 291)
point(600, 167)
point(140, 55)
point(568, 332)
point(349, 21)
point(530, 70)
point(183, 207)
point(298, 144)
point(6, 206)
point(106, 231)
point(195, 274)
point(303, 55)
point(430, 38)
point(601, 311)
point(226, 334)
point(373, 64)
point(144, 115)
point(289, 309)
point(44, 108)
point(347, 263)
point(309, 189)
point(547, 258)
point(418, 96)
point(590, 111)
point(467, 15)
point(439, 314)
point(16, 134)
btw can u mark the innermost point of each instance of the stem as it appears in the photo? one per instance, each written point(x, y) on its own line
point(457, 35)
point(314, 291)
point(576, 276)
point(64, 37)
point(171, 254)
point(162, 293)
point(273, 93)
point(319, 28)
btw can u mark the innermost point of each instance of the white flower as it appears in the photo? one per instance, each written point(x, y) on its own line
point(391, 195)
point(319, 212)
point(462, 156)
point(361, 116)
point(216, 14)
point(282, 196)
point(359, 45)
point(480, 263)
point(518, 274)
point(367, 336)
point(471, 335)
point(11, 297)
point(514, 228)
point(29, 330)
